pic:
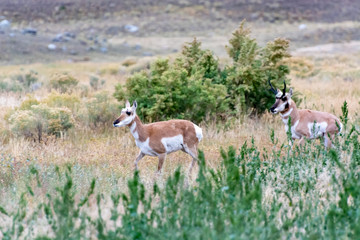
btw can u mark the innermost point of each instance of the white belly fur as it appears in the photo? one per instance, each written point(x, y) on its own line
point(198, 132)
point(172, 144)
point(145, 147)
point(318, 130)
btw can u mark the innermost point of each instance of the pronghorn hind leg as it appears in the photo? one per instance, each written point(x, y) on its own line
point(161, 161)
point(327, 141)
point(192, 151)
point(302, 142)
point(139, 157)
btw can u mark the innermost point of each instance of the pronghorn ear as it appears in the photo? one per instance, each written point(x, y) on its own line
point(290, 92)
point(134, 105)
point(127, 104)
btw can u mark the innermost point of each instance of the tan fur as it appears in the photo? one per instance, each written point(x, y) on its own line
point(304, 117)
point(154, 133)
point(157, 131)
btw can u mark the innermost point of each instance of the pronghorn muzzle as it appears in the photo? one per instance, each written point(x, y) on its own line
point(116, 122)
point(273, 107)
point(276, 92)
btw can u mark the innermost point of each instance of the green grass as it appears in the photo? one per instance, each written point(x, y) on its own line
point(307, 193)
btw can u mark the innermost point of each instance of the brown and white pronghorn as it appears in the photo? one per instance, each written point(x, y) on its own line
point(160, 138)
point(304, 123)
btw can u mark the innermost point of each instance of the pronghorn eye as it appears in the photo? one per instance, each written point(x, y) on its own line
point(128, 113)
point(284, 99)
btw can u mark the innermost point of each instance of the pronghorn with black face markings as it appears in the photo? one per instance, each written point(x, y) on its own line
point(160, 138)
point(304, 123)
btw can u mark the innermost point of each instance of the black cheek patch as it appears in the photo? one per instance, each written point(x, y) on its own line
point(287, 106)
point(128, 113)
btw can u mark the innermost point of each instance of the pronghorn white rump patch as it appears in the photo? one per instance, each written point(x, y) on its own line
point(317, 129)
point(145, 147)
point(340, 129)
point(172, 144)
point(198, 132)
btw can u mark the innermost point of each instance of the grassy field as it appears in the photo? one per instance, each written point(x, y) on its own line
point(248, 184)
point(107, 154)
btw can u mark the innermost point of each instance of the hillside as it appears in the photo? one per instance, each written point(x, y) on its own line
point(291, 10)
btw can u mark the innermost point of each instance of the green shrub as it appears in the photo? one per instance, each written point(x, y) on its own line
point(23, 82)
point(63, 82)
point(194, 87)
point(96, 83)
point(27, 79)
point(246, 79)
point(24, 122)
point(71, 102)
point(83, 90)
point(40, 119)
point(101, 110)
point(30, 101)
point(302, 68)
point(4, 86)
point(184, 89)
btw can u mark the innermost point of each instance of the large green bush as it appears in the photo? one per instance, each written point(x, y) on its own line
point(246, 79)
point(185, 88)
point(193, 86)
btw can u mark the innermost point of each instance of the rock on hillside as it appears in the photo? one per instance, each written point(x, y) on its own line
point(268, 10)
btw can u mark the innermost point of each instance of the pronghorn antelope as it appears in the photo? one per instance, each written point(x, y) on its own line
point(304, 123)
point(160, 138)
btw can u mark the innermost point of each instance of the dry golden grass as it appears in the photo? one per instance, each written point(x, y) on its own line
point(114, 150)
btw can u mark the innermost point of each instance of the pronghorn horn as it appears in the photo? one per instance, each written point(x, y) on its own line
point(272, 88)
point(284, 90)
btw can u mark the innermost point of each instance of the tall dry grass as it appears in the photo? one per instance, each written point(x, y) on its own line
point(113, 151)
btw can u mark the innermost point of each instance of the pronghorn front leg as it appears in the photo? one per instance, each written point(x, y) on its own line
point(161, 161)
point(139, 157)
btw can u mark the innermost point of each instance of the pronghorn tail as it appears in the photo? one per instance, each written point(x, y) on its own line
point(340, 128)
point(198, 132)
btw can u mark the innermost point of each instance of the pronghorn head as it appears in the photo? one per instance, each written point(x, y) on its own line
point(283, 99)
point(127, 115)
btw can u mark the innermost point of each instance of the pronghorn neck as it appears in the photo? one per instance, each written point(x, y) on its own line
point(292, 112)
point(137, 129)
